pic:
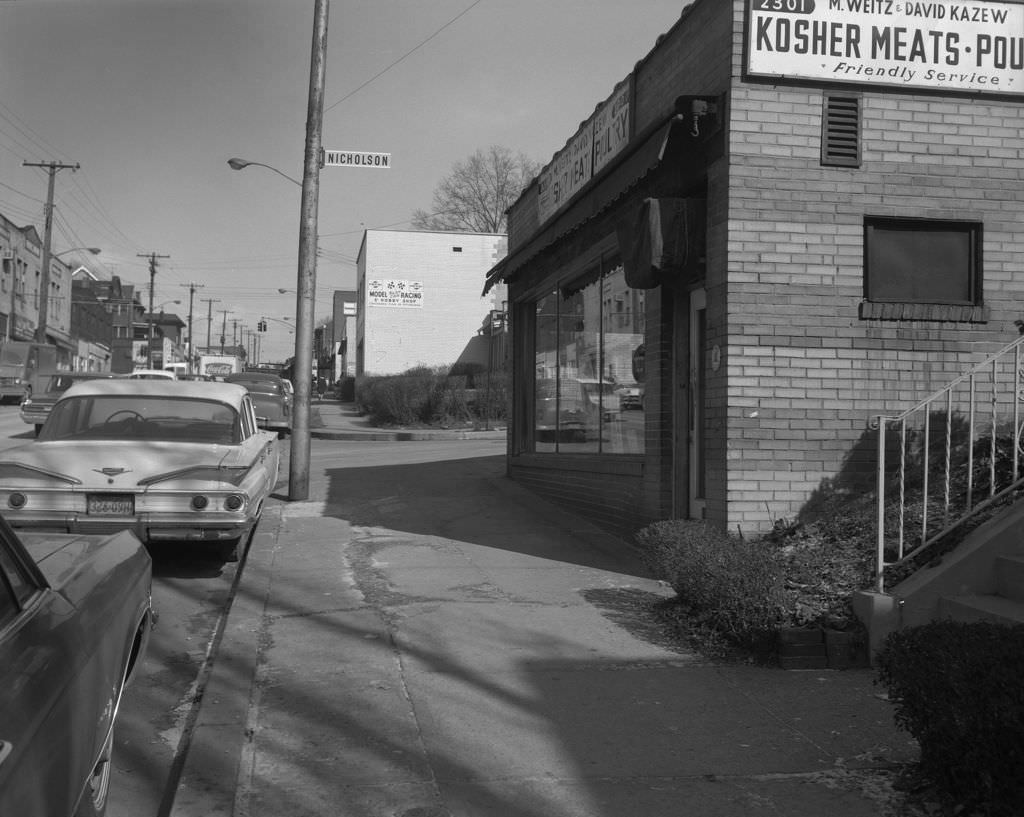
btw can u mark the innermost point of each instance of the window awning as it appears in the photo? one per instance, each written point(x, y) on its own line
point(601, 192)
point(62, 342)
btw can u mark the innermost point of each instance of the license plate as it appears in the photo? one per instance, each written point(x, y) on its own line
point(110, 504)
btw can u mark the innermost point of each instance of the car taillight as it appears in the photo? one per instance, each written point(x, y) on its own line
point(234, 502)
point(199, 502)
point(17, 500)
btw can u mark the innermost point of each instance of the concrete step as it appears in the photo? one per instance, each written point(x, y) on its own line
point(982, 608)
point(1009, 572)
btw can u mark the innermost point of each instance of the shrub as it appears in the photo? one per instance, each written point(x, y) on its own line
point(957, 689)
point(725, 583)
point(425, 396)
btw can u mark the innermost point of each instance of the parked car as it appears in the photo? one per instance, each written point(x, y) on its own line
point(171, 461)
point(630, 397)
point(75, 618)
point(272, 397)
point(560, 417)
point(39, 399)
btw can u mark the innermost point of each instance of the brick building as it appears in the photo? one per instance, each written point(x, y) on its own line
point(777, 226)
point(418, 299)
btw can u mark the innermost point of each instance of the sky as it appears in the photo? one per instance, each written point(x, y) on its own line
point(152, 97)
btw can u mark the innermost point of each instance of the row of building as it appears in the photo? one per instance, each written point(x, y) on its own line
point(94, 324)
point(417, 303)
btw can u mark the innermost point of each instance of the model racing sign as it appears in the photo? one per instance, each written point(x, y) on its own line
point(968, 45)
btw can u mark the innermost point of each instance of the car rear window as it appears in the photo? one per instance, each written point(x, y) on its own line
point(134, 417)
point(264, 386)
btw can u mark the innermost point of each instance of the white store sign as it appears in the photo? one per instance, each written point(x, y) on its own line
point(402, 294)
point(969, 45)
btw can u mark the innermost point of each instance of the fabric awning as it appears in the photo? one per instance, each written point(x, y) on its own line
point(62, 342)
point(599, 194)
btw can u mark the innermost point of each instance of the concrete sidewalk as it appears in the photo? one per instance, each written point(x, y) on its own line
point(428, 639)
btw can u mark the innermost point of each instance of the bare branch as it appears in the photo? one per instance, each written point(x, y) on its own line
point(479, 190)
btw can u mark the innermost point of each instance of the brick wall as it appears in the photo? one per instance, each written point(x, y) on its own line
point(805, 372)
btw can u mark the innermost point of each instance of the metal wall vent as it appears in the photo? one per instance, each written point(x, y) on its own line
point(840, 130)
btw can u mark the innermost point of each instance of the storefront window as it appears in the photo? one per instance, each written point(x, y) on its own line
point(588, 347)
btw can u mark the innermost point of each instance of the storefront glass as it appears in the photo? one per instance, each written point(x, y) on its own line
point(588, 348)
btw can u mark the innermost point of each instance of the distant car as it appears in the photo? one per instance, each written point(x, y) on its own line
point(38, 401)
point(272, 397)
point(630, 397)
point(75, 618)
point(561, 417)
point(171, 461)
point(152, 374)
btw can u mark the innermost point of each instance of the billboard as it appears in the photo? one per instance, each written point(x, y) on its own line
point(972, 46)
point(402, 294)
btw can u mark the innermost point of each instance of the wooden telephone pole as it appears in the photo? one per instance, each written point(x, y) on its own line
point(192, 287)
point(149, 315)
point(44, 276)
point(305, 296)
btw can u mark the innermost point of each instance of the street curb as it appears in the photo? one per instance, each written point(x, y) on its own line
point(218, 762)
point(406, 436)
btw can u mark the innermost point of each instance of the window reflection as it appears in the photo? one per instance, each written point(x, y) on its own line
point(588, 369)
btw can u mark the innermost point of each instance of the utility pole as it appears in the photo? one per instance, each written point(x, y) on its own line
point(209, 318)
point(305, 294)
point(44, 277)
point(12, 264)
point(149, 315)
point(192, 287)
point(223, 327)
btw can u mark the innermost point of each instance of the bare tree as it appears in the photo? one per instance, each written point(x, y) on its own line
point(478, 191)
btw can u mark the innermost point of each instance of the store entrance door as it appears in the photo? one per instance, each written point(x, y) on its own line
point(690, 443)
point(697, 410)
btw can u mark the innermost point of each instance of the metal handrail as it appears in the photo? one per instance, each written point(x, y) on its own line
point(976, 408)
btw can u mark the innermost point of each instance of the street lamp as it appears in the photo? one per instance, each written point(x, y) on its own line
point(298, 460)
point(241, 164)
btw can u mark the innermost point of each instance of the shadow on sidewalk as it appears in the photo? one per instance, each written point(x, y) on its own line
point(472, 500)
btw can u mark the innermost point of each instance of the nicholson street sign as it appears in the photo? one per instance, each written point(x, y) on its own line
point(355, 158)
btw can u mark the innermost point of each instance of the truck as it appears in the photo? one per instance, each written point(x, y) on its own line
point(213, 365)
point(19, 361)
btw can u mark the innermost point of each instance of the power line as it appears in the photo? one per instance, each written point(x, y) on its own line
point(403, 57)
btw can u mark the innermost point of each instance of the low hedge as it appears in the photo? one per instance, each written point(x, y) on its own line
point(957, 688)
point(726, 585)
point(433, 396)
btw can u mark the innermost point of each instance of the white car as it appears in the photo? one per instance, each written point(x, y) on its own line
point(171, 461)
point(152, 374)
